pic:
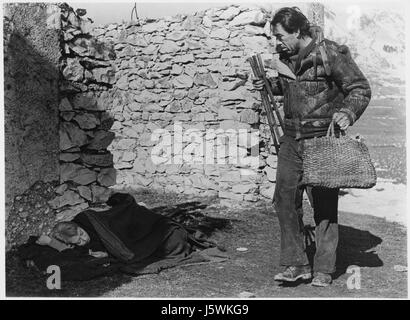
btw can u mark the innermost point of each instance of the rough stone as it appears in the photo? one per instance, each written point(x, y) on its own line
point(249, 116)
point(267, 191)
point(69, 157)
point(192, 44)
point(126, 144)
point(221, 33)
point(255, 17)
point(130, 133)
point(101, 160)
point(128, 156)
point(136, 40)
point(169, 47)
point(76, 173)
point(69, 197)
point(102, 139)
point(254, 30)
point(186, 58)
point(67, 115)
point(146, 97)
point(230, 195)
point(215, 43)
point(232, 85)
point(100, 194)
point(142, 181)
point(239, 94)
point(150, 50)
point(235, 42)
point(71, 136)
point(65, 105)
point(107, 177)
point(253, 42)
point(244, 188)
point(174, 107)
point(205, 80)
point(86, 120)
point(225, 113)
point(176, 69)
point(229, 13)
point(177, 35)
point(85, 192)
point(270, 174)
point(123, 83)
point(104, 75)
point(182, 81)
point(61, 189)
point(272, 161)
point(73, 71)
point(155, 26)
point(86, 101)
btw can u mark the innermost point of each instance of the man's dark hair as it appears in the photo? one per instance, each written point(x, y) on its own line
point(292, 20)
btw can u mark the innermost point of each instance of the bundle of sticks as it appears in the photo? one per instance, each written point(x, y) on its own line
point(268, 101)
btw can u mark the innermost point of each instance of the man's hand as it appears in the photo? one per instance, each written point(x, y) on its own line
point(258, 84)
point(43, 240)
point(98, 254)
point(342, 120)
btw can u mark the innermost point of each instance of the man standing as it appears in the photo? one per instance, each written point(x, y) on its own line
point(328, 86)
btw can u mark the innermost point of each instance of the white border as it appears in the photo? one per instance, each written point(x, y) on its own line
point(2, 186)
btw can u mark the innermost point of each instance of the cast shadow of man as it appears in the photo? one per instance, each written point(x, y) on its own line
point(354, 248)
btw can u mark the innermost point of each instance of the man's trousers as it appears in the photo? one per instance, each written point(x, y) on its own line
point(288, 200)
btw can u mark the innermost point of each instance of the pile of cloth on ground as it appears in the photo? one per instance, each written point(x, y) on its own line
point(137, 240)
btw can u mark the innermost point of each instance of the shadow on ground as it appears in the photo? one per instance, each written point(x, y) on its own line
point(356, 247)
point(353, 249)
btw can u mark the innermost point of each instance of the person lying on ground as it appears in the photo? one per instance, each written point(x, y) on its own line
point(127, 231)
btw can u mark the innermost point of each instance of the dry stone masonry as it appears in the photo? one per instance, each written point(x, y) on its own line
point(86, 166)
point(188, 72)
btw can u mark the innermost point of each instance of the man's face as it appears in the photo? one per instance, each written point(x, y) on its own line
point(289, 40)
point(81, 239)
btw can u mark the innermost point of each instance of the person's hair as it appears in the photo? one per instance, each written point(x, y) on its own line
point(63, 231)
point(292, 20)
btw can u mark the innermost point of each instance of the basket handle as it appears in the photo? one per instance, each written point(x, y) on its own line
point(331, 129)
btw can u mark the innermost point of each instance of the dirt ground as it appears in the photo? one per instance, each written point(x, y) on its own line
point(372, 244)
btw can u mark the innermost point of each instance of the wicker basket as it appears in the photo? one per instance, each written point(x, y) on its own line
point(337, 162)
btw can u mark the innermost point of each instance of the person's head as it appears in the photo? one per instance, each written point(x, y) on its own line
point(290, 27)
point(70, 233)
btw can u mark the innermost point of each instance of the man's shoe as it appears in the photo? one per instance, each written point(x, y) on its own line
point(293, 273)
point(321, 279)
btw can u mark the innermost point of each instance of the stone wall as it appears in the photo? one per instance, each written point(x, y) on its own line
point(31, 58)
point(167, 104)
point(163, 104)
point(87, 75)
point(177, 76)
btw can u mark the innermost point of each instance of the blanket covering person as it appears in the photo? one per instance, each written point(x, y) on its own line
point(136, 239)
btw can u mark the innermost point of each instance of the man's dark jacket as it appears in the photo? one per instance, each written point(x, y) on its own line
point(311, 100)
